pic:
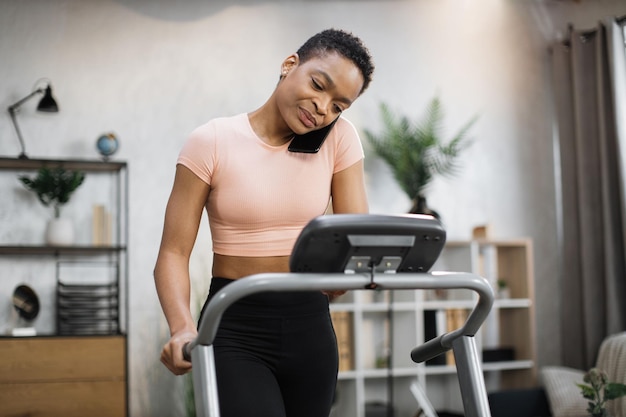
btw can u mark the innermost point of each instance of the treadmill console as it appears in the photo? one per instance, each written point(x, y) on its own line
point(354, 243)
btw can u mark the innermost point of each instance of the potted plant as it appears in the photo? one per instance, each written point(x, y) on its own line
point(598, 390)
point(504, 291)
point(416, 151)
point(54, 187)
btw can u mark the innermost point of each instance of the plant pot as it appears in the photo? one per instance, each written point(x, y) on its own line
point(60, 232)
point(421, 207)
point(504, 293)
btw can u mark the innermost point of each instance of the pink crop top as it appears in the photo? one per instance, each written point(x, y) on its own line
point(261, 196)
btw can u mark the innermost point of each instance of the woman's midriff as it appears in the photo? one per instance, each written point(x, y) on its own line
point(235, 267)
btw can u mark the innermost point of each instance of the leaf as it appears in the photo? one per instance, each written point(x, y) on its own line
point(54, 187)
point(614, 390)
point(416, 151)
point(587, 391)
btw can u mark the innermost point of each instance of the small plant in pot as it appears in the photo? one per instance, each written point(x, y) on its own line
point(598, 390)
point(416, 152)
point(54, 187)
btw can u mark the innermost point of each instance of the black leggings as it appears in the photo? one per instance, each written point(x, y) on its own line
point(275, 355)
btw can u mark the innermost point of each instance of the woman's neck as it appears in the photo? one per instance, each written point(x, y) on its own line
point(269, 125)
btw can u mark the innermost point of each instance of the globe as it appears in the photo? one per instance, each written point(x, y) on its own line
point(107, 145)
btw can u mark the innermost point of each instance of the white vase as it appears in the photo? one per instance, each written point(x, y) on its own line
point(60, 232)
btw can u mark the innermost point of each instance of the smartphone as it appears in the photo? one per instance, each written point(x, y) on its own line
point(310, 142)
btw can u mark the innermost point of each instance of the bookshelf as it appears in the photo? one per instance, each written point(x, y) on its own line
point(76, 364)
point(375, 324)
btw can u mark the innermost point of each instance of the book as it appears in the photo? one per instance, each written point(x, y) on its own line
point(433, 326)
point(101, 226)
point(455, 318)
point(342, 323)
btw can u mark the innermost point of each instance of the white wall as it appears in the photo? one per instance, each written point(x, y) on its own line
point(153, 70)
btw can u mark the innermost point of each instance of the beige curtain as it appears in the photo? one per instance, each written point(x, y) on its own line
point(589, 94)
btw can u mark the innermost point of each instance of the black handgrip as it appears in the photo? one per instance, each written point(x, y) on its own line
point(187, 352)
point(429, 350)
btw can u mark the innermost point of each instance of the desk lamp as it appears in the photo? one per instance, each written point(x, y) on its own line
point(46, 104)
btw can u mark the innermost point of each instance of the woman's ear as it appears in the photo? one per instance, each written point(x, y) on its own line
point(288, 64)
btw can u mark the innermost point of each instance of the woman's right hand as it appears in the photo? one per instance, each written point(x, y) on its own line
point(171, 272)
point(172, 353)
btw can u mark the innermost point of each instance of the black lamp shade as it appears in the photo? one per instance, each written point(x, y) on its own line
point(47, 102)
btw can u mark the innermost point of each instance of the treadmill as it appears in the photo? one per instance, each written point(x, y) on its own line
point(359, 252)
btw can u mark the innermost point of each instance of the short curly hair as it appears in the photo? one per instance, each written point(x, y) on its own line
point(344, 43)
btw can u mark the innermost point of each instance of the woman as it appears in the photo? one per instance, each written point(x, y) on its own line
point(276, 353)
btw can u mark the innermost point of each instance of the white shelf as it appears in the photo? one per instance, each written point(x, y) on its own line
point(468, 304)
point(384, 307)
point(513, 303)
point(507, 365)
point(510, 325)
point(446, 304)
point(347, 375)
point(439, 370)
point(342, 307)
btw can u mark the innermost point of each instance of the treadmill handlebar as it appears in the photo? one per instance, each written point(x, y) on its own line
point(290, 281)
point(432, 348)
point(187, 351)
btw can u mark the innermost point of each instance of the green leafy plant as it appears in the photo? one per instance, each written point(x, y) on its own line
point(54, 186)
point(416, 151)
point(598, 390)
